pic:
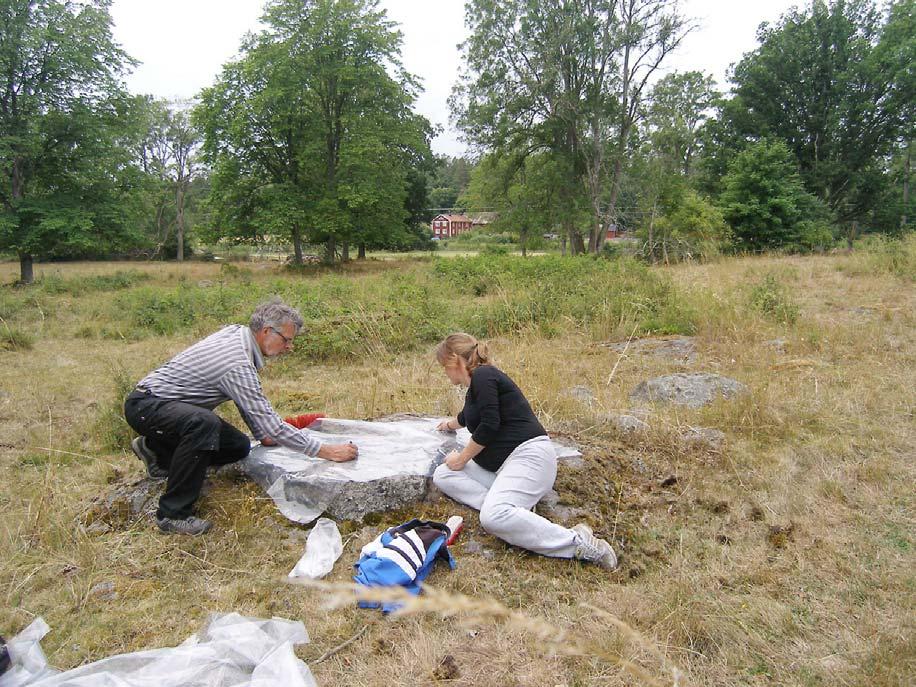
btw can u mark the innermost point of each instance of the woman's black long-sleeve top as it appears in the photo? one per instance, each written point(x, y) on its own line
point(498, 415)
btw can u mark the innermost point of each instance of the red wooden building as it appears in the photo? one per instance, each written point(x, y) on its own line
point(444, 226)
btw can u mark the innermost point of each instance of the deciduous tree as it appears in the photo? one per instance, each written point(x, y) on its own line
point(65, 122)
point(565, 77)
point(310, 133)
point(816, 83)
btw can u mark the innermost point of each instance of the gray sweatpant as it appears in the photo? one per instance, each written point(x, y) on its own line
point(505, 498)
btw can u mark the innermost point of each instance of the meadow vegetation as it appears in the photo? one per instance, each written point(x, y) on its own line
point(783, 556)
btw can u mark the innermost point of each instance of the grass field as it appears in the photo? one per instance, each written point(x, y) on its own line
point(784, 556)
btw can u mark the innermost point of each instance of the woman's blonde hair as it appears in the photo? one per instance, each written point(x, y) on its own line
point(460, 345)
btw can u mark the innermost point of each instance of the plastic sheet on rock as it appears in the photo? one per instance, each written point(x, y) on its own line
point(387, 448)
point(230, 651)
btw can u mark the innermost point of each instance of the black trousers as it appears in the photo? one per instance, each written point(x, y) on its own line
point(186, 440)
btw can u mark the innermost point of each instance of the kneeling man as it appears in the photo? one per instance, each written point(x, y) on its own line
point(180, 435)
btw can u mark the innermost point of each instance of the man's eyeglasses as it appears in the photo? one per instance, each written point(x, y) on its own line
point(288, 340)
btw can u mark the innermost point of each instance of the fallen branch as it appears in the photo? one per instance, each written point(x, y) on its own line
point(330, 652)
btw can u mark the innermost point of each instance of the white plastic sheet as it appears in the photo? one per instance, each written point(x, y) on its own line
point(322, 549)
point(303, 487)
point(231, 651)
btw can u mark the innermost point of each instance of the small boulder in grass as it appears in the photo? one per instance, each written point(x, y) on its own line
point(693, 390)
point(582, 394)
point(704, 436)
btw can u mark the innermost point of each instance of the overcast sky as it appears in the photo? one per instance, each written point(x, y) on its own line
point(182, 44)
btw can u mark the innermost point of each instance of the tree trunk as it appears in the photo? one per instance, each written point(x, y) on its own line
point(652, 235)
point(361, 252)
point(563, 245)
point(594, 235)
point(851, 234)
point(576, 244)
point(345, 252)
point(297, 245)
point(615, 191)
point(26, 273)
point(179, 222)
point(330, 250)
point(906, 186)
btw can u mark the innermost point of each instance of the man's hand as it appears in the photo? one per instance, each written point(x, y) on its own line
point(267, 441)
point(455, 461)
point(338, 453)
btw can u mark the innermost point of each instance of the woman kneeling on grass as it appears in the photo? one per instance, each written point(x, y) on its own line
point(509, 464)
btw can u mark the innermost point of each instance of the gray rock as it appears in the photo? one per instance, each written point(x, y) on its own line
point(125, 502)
point(104, 591)
point(396, 459)
point(551, 508)
point(475, 547)
point(361, 498)
point(572, 462)
point(680, 348)
point(864, 312)
point(704, 436)
point(625, 423)
point(778, 345)
point(98, 527)
point(582, 394)
point(691, 390)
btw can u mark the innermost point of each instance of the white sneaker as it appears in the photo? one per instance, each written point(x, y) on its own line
point(590, 548)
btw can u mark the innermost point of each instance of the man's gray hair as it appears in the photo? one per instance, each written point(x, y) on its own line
point(274, 313)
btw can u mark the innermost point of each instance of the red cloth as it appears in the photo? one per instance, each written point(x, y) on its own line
point(302, 421)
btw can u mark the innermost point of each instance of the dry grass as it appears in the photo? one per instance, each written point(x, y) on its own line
point(783, 557)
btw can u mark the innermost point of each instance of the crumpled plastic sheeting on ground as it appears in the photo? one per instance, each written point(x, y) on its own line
point(231, 651)
point(322, 549)
point(303, 487)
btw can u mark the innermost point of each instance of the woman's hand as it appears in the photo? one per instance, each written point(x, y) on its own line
point(446, 426)
point(455, 461)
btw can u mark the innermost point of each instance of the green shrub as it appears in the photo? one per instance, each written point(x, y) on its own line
point(11, 303)
point(78, 286)
point(611, 251)
point(230, 271)
point(158, 311)
point(771, 298)
point(14, 339)
point(879, 254)
point(111, 428)
point(599, 296)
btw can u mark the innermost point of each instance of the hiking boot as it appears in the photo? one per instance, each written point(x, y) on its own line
point(148, 458)
point(590, 548)
point(189, 525)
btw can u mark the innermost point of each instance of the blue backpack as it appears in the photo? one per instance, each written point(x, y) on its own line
point(403, 556)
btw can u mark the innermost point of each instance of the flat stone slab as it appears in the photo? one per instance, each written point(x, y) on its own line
point(679, 348)
point(692, 390)
point(396, 459)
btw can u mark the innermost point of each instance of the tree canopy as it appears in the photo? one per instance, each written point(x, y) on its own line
point(565, 78)
point(310, 134)
point(66, 130)
point(826, 80)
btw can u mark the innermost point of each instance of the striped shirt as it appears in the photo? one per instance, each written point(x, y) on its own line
point(224, 367)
